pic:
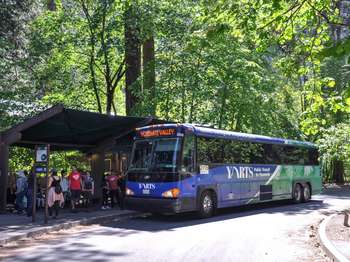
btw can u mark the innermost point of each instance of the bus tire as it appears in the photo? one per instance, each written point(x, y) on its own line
point(206, 204)
point(306, 193)
point(297, 193)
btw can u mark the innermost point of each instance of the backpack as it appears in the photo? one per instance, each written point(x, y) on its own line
point(58, 189)
point(88, 183)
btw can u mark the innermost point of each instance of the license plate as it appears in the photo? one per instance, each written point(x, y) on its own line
point(145, 191)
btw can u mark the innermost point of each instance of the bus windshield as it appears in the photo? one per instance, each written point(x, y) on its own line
point(155, 154)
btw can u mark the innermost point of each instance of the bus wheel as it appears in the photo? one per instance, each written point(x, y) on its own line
point(306, 193)
point(206, 205)
point(297, 193)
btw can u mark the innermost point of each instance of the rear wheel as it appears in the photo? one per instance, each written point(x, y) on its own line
point(206, 205)
point(297, 193)
point(306, 193)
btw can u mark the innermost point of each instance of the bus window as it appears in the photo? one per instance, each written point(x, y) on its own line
point(188, 154)
point(209, 150)
point(155, 154)
point(165, 154)
point(142, 155)
point(313, 157)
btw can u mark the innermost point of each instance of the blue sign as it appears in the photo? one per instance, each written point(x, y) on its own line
point(40, 169)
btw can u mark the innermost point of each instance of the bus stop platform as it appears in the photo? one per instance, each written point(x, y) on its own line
point(14, 227)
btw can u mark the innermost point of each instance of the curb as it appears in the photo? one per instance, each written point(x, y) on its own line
point(66, 225)
point(327, 245)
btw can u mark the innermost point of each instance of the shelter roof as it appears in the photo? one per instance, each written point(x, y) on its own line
point(66, 129)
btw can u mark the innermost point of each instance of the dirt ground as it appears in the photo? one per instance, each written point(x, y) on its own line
point(314, 243)
point(336, 231)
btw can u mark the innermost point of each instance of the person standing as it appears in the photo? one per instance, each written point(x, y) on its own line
point(122, 189)
point(105, 192)
point(30, 193)
point(64, 185)
point(113, 188)
point(21, 190)
point(88, 189)
point(74, 184)
point(55, 198)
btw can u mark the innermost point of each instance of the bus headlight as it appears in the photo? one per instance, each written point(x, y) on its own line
point(129, 192)
point(172, 193)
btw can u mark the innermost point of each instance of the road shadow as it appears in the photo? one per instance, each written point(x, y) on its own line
point(155, 223)
point(63, 246)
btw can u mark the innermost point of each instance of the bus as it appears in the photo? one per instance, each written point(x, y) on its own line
point(178, 168)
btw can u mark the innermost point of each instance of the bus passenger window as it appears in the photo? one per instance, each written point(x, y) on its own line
point(313, 157)
point(188, 154)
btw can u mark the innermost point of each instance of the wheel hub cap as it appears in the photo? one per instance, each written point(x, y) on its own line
point(207, 204)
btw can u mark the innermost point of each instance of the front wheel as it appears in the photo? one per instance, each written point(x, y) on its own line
point(306, 193)
point(297, 193)
point(206, 205)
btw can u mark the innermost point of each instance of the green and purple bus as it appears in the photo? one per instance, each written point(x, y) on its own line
point(178, 168)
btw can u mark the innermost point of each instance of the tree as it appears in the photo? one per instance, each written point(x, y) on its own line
point(77, 50)
point(148, 56)
point(132, 56)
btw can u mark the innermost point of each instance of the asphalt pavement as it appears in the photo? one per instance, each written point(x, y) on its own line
point(268, 232)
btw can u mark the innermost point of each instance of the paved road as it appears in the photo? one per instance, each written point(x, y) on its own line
point(269, 232)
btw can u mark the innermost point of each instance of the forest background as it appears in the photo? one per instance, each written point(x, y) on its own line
point(270, 67)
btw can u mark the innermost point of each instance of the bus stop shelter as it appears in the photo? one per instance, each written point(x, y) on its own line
point(69, 129)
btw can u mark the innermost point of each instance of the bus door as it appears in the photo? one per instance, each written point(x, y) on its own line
point(187, 170)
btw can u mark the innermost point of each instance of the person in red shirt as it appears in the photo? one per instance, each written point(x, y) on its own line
point(113, 187)
point(74, 184)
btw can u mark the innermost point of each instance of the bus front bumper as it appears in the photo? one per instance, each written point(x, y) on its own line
point(157, 205)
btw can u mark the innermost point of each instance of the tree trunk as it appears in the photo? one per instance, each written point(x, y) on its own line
point(223, 106)
point(338, 171)
point(149, 74)
point(109, 103)
point(107, 70)
point(51, 5)
point(132, 58)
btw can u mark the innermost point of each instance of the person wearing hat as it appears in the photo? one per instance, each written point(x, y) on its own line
point(21, 190)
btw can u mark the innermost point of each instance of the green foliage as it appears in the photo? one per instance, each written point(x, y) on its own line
point(71, 49)
point(267, 67)
point(335, 142)
point(334, 145)
point(23, 159)
point(68, 160)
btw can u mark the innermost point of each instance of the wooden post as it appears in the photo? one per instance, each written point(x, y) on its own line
point(346, 218)
point(4, 159)
point(97, 172)
point(47, 185)
point(34, 193)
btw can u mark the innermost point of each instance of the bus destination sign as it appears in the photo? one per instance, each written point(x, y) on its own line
point(157, 132)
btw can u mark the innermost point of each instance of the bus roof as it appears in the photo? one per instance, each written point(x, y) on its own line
point(218, 133)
